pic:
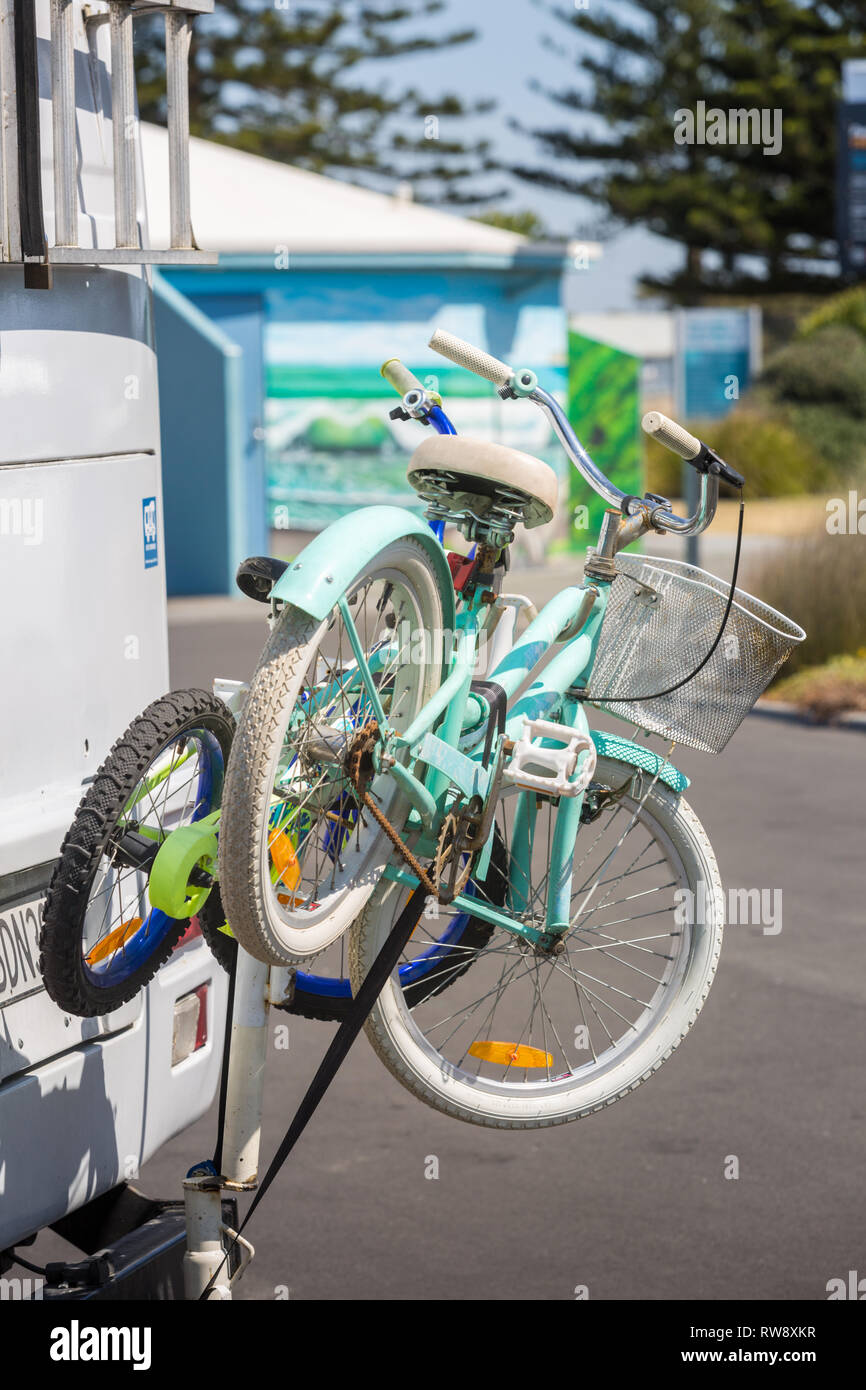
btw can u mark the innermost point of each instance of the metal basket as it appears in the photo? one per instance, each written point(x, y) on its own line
point(662, 618)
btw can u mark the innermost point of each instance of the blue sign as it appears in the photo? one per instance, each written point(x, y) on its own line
point(148, 526)
point(717, 353)
point(851, 188)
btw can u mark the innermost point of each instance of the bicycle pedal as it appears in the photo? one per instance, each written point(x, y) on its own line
point(551, 770)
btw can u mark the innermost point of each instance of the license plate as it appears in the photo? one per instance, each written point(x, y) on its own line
point(19, 951)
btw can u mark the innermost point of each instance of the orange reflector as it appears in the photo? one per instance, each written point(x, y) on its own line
point(285, 860)
point(507, 1054)
point(115, 939)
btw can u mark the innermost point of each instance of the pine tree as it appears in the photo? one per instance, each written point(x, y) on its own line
point(769, 218)
point(280, 79)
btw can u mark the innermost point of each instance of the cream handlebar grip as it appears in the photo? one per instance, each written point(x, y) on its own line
point(472, 358)
point(672, 435)
point(400, 377)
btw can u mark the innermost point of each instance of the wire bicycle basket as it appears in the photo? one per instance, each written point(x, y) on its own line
point(662, 618)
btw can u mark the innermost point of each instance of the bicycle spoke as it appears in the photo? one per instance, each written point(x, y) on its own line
point(520, 1003)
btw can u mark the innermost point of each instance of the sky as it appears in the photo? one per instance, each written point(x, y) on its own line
point(509, 51)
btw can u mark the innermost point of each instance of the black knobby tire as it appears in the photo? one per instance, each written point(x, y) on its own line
point(61, 959)
point(212, 919)
point(475, 936)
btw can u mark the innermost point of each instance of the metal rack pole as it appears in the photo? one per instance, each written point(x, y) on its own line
point(123, 124)
point(178, 33)
point(63, 123)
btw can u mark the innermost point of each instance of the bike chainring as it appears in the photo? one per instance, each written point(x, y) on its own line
point(455, 840)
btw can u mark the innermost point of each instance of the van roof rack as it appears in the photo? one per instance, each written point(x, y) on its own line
point(25, 235)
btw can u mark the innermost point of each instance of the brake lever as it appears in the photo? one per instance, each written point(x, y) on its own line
point(708, 461)
point(693, 450)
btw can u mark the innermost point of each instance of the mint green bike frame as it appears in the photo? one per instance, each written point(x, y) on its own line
point(547, 697)
point(317, 582)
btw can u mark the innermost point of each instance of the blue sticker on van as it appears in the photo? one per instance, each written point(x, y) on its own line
point(148, 523)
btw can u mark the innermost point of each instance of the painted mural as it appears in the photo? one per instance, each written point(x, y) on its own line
point(604, 411)
point(331, 446)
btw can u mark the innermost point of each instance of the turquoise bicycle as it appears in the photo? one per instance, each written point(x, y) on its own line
point(369, 757)
point(397, 732)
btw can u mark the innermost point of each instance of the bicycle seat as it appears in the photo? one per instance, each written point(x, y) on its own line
point(478, 477)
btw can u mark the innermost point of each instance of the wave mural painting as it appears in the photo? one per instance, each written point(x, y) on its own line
point(331, 446)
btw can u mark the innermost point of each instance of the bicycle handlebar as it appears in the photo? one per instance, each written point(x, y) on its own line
point(693, 450)
point(472, 358)
point(672, 435)
point(399, 376)
point(482, 364)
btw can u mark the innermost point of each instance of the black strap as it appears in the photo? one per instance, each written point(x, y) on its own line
point(380, 971)
point(497, 699)
point(227, 1047)
point(29, 156)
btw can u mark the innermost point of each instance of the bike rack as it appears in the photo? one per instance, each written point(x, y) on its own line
point(257, 987)
point(22, 230)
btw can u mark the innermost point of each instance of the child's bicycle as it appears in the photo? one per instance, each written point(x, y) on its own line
point(576, 904)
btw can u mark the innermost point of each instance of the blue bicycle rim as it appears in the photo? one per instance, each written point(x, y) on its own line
point(156, 925)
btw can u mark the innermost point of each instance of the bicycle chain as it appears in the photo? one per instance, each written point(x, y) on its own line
point(359, 766)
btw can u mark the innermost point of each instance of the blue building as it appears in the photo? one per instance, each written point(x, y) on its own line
point(274, 415)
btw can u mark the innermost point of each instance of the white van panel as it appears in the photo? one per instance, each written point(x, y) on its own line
point(77, 367)
point(84, 625)
point(80, 1124)
point(32, 1027)
point(83, 633)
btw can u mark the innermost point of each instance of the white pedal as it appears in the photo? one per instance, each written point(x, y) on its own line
point(551, 770)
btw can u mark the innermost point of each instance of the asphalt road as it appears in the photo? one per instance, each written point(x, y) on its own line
point(634, 1202)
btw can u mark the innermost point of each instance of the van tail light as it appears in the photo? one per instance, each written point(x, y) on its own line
point(190, 1025)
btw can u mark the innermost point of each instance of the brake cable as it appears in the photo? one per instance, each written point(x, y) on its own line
point(657, 694)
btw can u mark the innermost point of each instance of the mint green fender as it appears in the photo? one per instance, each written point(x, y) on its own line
point(625, 751)
point(326, 567)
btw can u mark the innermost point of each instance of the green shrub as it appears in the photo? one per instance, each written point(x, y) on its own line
point(820, 582)
point(835, 437)
point(827, 368)
point(849, 307)
point(826, 691)
point(802, 427)
point(663, 469)
point(774, 459)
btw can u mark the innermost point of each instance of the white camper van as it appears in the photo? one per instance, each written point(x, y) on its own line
point(83, 1102)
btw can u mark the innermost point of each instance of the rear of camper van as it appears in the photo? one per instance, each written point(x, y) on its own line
point(83, 633)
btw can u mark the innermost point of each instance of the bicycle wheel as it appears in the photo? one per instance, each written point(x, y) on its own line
point(298, 859)
point(528, 1039)
point(102, 939)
